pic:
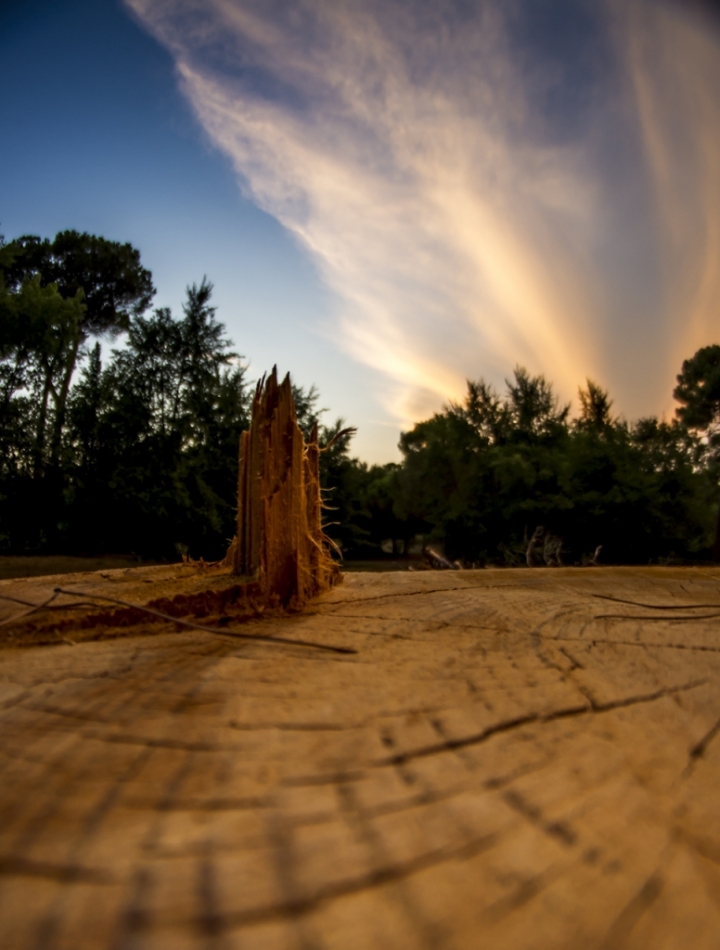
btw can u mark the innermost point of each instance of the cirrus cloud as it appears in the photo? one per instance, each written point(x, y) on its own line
point(480, 185)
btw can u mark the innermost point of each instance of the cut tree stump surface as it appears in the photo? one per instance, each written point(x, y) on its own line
point(510, 761)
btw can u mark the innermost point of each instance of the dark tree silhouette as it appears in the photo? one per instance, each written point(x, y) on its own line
point(139, 452)
point(698, 392)
point(595, 406)
point(109, 279)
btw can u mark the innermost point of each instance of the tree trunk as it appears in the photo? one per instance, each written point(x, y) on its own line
point(39, 460)
point(61, 403)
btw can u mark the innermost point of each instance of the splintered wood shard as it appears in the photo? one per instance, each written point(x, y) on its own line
point(280, 542)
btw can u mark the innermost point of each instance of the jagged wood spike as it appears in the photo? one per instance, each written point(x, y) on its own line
point(280, 541)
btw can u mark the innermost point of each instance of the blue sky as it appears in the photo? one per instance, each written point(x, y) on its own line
point(390, 197)
point(99, 138)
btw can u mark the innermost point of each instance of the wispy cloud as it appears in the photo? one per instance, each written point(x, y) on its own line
point(674, 63)
point(476, 194)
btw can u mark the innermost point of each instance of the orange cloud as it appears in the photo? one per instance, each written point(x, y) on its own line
point(461, 235)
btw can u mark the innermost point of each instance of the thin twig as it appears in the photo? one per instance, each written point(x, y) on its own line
point(33, 608)
point(16, 600)
point(336, 438)
point(657, 619)
point(28, 603)
point(636, 603)
point(204, 627)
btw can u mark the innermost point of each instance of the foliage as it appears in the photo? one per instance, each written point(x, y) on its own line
point(698, 392)
point(115, 286)
point(485, 474)
point(141, 453)
point(154, 437)
point(112, 285)
point(136, 451)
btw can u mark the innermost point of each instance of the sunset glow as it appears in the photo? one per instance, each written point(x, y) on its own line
point(475, 199)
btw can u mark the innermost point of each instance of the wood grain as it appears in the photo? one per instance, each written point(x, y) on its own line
point(510, 760)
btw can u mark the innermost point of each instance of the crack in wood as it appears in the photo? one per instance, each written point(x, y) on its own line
point(635, 643)
point(531, 718)
point(700, 748)
point(636, 603)
point(327, 607)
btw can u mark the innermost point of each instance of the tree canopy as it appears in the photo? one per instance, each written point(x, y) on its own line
point(114, 284)
point(484, 475)
point(698, 392)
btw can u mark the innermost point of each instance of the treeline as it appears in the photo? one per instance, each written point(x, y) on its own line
point(135, 453)
point(136, 450)
point(483, 477)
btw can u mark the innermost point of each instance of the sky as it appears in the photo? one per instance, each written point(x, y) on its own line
point(390, 196)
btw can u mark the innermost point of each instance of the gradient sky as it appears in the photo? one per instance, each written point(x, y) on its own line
point(390, 196)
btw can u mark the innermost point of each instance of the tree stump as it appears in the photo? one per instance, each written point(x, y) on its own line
point(524, 760)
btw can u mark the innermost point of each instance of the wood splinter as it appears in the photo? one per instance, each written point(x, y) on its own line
point(280, 542)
